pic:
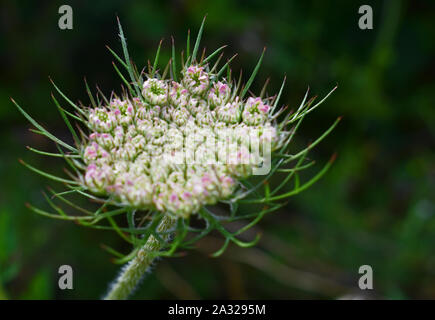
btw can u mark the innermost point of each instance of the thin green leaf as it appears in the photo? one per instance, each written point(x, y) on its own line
point(312, 145)
point(299, 189)
point(130, 221)
point(71, 204)
point(130, 89)
point(198, 40)
point(42, 130)
point(188, 46)
point(263, 90)
point(315, 106)
point(91, 97)
point(252, 77)
point(211, 56)
point(289, 176)
point(275, 104)
point(222, 249)
point(47, 175)
point(156, 59)
point(174, 64)
point(50, 154)
point(117, 230)
point(67, 99)
point(112, 251)
point(224, 67)
point(66, 120)
point(118, 58)
point(127, 58)
point(56, 216)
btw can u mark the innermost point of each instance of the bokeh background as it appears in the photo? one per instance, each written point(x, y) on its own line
point(374, 207)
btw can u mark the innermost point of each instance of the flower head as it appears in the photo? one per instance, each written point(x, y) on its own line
point(173, 147)
point(177, 151)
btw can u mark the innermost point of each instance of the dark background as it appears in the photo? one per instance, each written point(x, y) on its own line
point(375, 206)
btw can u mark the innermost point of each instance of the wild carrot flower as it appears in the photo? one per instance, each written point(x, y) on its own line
point(168, 149)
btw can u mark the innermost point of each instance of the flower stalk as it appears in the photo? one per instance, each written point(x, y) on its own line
point(135, 270)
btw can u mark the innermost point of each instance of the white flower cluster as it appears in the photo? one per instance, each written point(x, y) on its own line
point(178, 147)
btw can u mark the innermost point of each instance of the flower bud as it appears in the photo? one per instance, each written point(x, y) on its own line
point(155, 92)
point(255, 112)
point(229, 113)
point(196, 80)
point(219, 94)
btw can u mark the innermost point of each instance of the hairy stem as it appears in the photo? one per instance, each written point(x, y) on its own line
point(133, 272)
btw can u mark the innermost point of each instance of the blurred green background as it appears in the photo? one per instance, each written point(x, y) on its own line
point(375, 206)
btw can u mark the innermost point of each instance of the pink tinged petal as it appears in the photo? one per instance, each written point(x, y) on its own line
point(205, 178)
point(264, 108)
point(187, 195)
point(223, 89)
point(173, 197)
point(197, 189)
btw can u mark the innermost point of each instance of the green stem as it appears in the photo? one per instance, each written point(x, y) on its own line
point(133, 272)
